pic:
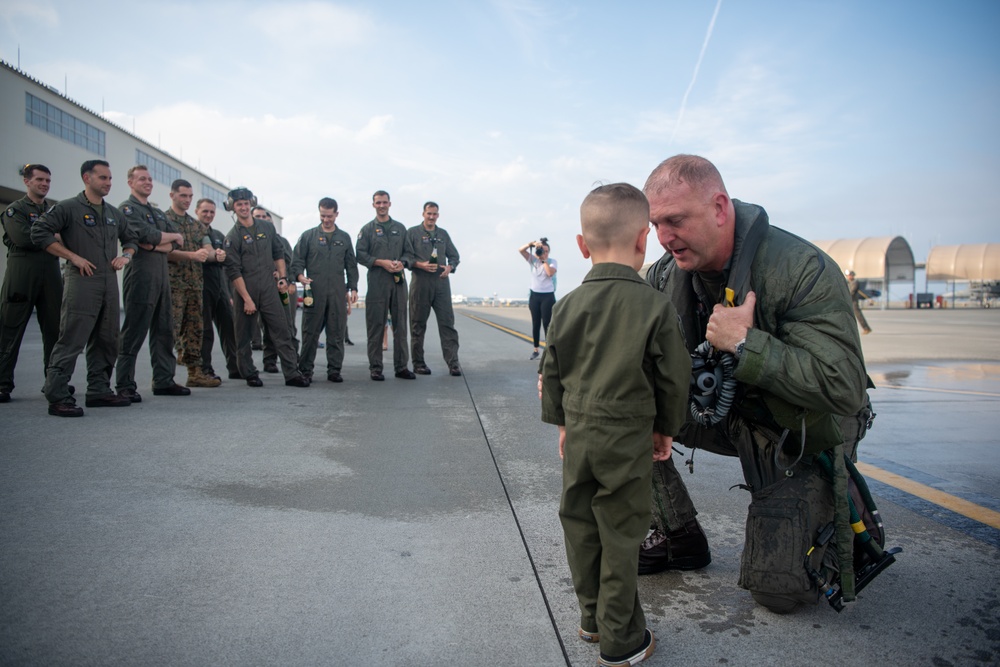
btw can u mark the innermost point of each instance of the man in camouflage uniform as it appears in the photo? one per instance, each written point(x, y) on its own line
point(85, 231)
point(216, 305)
point(32, 280)
point(147, 293)
point(186, 284)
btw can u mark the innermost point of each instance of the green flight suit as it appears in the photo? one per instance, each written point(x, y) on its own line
point(32, 281)
point(431, 292)
point(89, 316)
point(386, 295)
point(615, 370)
point(250, 254)
point(291, 308)
point(326, 258)
point(217, 309)
point(802, 360)
point(857, 296)
point(146, 292)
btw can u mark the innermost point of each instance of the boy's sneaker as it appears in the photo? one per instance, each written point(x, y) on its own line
point(589, 637)
point(635, 657)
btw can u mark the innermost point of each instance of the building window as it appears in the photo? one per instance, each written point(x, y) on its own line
point(160, 170)
point(208, 192)
point(57, 122)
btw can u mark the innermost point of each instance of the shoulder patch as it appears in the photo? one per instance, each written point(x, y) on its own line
point(126, 209)
point(10, 212)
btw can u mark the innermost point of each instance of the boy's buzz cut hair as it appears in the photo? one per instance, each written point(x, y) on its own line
point(613, 215)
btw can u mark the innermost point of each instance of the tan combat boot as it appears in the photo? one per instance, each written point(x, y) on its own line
point(197, 378)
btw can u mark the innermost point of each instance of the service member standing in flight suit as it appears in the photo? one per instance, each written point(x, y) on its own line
point(253, 254)
point(32, 280)
point(431, 257)
point(146, 286)
point(380, 248)
point(90, 229)
point(216, 306)
point(323, 257)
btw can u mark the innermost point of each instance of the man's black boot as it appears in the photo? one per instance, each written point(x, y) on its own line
point(682, 549)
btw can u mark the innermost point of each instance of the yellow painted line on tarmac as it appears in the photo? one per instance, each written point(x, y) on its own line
point(942, 391)
point(957, 505)
point(516, 334)
point(953, 503)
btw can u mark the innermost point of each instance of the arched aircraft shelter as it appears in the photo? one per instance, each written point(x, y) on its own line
point(877, 261)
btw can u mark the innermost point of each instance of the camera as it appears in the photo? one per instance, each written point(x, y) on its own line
point(540, 249)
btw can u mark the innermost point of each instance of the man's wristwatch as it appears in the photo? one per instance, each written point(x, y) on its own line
point(738, 352)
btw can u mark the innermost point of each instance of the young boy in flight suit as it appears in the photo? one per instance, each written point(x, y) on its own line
point(615, 380)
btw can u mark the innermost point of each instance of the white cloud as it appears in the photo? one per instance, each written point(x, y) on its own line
point(375, 127)
point(29, 12)
point(507, 173)
point(311, 27)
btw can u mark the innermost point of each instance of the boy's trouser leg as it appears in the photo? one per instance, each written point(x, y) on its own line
point(618, 461)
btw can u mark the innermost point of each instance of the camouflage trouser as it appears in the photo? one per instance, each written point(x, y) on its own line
point(188, 325)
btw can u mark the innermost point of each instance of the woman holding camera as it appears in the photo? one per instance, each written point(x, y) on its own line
point(543, 286)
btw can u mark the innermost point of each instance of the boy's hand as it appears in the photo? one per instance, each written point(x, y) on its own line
point(539, 386)
point(662, 445)
point(562, 441)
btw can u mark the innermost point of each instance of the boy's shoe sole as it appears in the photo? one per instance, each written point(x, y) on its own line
point(589, 637)
point(634, 658)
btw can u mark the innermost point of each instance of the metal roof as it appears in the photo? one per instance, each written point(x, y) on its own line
point(876, 258)
point(978, 262)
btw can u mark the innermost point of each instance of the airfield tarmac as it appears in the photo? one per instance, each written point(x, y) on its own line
point(414, 522)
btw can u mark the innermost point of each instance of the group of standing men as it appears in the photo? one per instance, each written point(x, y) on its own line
point(171, 285)
point(174, 289)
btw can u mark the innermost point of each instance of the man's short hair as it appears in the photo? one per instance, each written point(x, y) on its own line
point(89, 165)
point(138, 167)
point(694, 170)
point(178, 184)
point(612, 215)
point(381, 192)
point(328, 202)
point(205, 200)
point(429, 204)
point(29, 170)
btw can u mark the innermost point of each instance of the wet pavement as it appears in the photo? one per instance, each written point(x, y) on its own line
point(414, 522)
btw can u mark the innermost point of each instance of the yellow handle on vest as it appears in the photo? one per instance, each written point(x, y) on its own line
point(730, 298)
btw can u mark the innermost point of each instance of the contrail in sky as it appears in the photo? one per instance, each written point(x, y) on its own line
point(694, 77)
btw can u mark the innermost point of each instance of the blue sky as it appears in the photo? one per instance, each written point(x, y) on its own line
point(843, 119)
